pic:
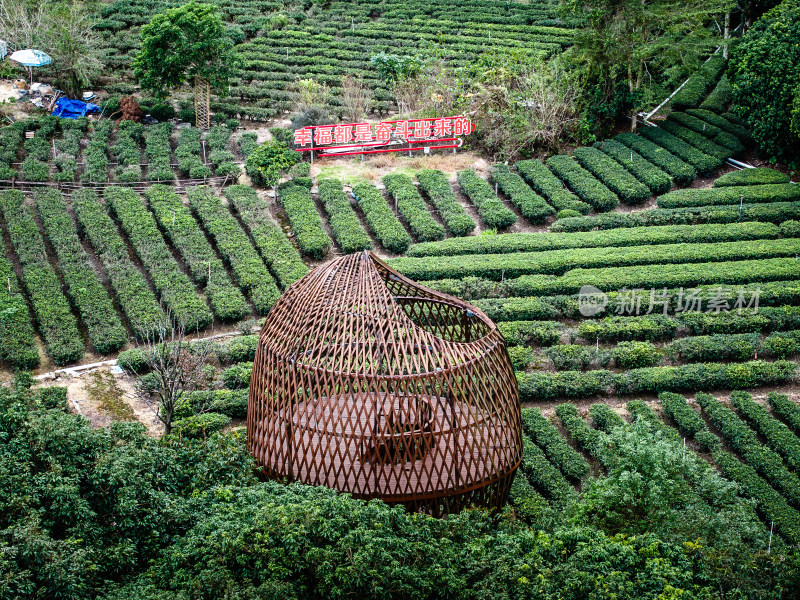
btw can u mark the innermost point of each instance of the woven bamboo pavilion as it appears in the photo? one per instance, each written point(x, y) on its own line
point(369, 383)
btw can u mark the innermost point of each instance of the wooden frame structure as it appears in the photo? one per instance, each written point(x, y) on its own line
point(370, 384)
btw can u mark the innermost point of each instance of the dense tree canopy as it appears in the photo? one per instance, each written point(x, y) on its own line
point(115, 514)
point(181, 44)
point(765, 70)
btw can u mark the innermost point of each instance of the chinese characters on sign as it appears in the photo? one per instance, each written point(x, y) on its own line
point(386, 136)
point(635, 302)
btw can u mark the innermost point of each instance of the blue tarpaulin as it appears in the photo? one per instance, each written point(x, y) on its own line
point(72, 109)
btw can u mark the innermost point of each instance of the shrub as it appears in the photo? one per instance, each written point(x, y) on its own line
point(238, 376)
point(676, 408)
point(779, 437)
point(412, 207)
point(634, 355)
point(301, 169)
point(437, 187)
point(17, 337)
point(200, 426)
point(525, 333)
point(786, 409)
point(545, 477)
point(719, 97)
point(738, 347)
point(704, 163)
point(491, 209)
point(591, 440)
point(530, 205)
point(542, 180)
point(723, 123)
point(35, 170)
point(583, 183)
point(567, 213)
point(604, 418)
point(344, 223)
point(613, 175)
point(757, 176)
point(563, 384)
point(575, 357)
point(516, 309)
point(54, 397)
point(240, 349)
point(698, 140)
point(380, 218)
point(621, 328)
point(520, 357)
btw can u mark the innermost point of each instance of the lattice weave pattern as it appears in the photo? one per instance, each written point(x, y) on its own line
point(371, 384)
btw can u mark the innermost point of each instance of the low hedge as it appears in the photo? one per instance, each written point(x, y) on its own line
point(531, 333)
point(749, 194)
point(176, 290)
point(698, 140)
point(704, 376)
point(724, 124)
point(492, 211)
point(623, 328)
point(698, 84)
point(529, 504)
point(17, 337)
point(521, 357)
point(306, 223)
point(532, 206)
point(57, 324)
point(237, 376)
point(635, 236)
point(636, 355)
point(278, 252)
point(657, 180)
point(734, 347)
point(518, 309)
point(176, 220)
point(437, 187)
point(412, 207)
point(583, 183)
point(545, 477)
point(704, 163)
point(689, 422)
point(84, 288)
point(542, 180)
point(745, 442)
point(232, 403)
point(768, 318)
point(380, 218)
point(719, 97)
point(239, 349)
point(779, 437)
point(756, 176)
point(577, 357)
point(681, 171)
point(570, 462)
point(616, 178)
point(130, 287)
point(200, 426)
point(538, 386)
point(649, 276)
point(555, 262)
point(771, 212)
point(604, 418)
point(591, 440)
point(344, 223)
point(786, 409)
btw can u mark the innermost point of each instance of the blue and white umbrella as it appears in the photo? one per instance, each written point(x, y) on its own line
point(31, 58)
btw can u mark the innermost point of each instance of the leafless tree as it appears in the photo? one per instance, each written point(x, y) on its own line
point(355, 98)
point(171, 367)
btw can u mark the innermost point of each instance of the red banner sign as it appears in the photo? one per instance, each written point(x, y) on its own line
point(386, 136)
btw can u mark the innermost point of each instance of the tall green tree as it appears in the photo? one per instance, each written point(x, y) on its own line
point(187, 43)
point(628, 45)
point(765, 70)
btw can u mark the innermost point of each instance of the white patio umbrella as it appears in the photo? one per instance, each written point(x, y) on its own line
point(31, 58)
